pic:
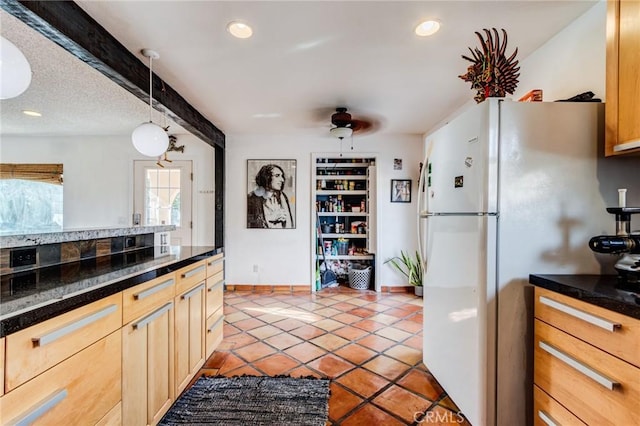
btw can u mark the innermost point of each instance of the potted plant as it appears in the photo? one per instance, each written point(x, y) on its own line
point(410, 267)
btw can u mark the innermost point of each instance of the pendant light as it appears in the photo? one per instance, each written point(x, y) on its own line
point(15, 71)
point(149, 138)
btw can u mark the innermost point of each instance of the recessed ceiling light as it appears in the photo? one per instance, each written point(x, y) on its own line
point(31, 113)
point(239, 29)
point(427, 28)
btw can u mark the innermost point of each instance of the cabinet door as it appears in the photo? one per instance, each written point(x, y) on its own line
point(148, 367)
point(623, 79)
point(189, 329)
point(1, 366)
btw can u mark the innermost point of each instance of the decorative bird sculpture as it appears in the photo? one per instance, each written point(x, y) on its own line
point(492, 74)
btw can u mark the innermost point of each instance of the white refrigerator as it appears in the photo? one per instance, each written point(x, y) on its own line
point(510, 189)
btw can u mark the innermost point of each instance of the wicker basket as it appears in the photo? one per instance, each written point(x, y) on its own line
point(359, 278)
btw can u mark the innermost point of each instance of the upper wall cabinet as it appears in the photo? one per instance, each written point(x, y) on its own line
point(623, 78)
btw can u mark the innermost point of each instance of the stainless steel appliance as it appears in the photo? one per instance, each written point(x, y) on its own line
point(624, 242)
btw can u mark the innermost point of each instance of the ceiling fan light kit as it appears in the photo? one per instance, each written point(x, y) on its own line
point(149, 138)
point(341, 132)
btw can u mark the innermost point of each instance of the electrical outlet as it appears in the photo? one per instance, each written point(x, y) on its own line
point(22, 257)
point(255, 268)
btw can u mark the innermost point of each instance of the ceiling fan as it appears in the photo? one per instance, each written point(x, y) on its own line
point(345, 125)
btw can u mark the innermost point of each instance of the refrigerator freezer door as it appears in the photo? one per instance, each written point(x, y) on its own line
point(459, 311)
point(459, 164)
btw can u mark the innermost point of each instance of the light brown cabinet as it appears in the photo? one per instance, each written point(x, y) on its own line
point(190, 323)
point(1, 366)
point(586, 363)
point(214, 310)
point(148, 385)
point(81, 389)
point(623, 79)
point(35, 349)
point(121, 360)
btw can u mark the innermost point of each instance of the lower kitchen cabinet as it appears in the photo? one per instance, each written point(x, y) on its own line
point(1, 366)
point(189, 332)
point(121, 360)
point(82, 389)
point(581, 376)
point(148, 387)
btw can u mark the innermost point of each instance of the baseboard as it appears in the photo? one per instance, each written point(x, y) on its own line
point(289, 289)
point(280, 289)
point(397, 289)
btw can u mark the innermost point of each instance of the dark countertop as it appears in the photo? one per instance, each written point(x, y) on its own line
point(600, 290)
point(30, 297)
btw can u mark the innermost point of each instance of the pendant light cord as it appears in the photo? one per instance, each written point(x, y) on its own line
point(150, 88)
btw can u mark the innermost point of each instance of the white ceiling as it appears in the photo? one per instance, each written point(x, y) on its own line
point(305, 58)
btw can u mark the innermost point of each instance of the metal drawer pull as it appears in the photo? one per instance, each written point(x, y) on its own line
point(153, 290)
point(215, 262)
point(591, 319)
point(219, 283)
point(215, 324)
point(547, 419)
point(73, 326)
point(191, 292)
point(193, 272)
point(42, 408)
point(579, 366)
point(157, 313)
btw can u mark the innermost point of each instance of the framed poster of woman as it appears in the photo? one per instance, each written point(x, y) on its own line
point(271, 194)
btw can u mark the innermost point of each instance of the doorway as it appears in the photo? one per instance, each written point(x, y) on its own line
point(162, 196)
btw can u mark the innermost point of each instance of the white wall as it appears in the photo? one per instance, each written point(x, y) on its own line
point(98, 177)
point(570, 63)
point(283, 257)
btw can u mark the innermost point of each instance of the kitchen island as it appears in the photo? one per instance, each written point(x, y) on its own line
point(108, 340)
point(586, 350)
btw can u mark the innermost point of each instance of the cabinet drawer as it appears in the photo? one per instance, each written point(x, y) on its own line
point(614, 333)
point(215, 293)
point(215, 264)
point(80, 390)
point(113, 417)
point(547, 411)
point(190, 275)
point(33, 350)
point(144, 297)
point(215, 325)
point(598, 387)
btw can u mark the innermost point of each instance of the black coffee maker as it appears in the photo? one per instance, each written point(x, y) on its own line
point(624, 243)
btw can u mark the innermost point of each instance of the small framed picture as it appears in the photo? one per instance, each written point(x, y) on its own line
point(400, 190)
point(271, 194)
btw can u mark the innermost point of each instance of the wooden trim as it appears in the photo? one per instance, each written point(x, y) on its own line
point(611, 111)
point(66, 24)
point(47, 173)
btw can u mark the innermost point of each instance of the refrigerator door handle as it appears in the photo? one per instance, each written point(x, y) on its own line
point(421, 187)
point(424, 215)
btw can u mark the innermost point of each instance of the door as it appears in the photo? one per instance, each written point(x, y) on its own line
point(458, 168)
point(148, 367)
point(162, 196)
point(459, 310)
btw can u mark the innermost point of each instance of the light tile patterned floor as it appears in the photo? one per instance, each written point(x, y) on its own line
point(369, 344)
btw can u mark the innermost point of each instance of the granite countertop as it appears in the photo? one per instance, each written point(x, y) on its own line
point(39, 238)
point(27, 298)
point(601, 290)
